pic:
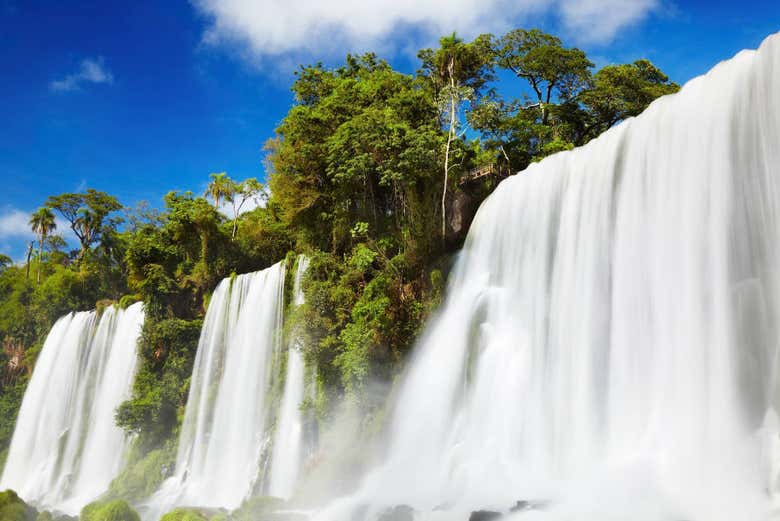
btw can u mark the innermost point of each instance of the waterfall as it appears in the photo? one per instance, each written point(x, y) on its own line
point(66, 448)
point(225, 430)
point(608, 346)
point(288, 439)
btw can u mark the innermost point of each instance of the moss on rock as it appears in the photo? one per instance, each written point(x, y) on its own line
point(12, 508)
point(116, 510)
point(184, 514)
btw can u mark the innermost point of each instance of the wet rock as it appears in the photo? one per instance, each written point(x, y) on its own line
point(484, 515)
point(397, 513)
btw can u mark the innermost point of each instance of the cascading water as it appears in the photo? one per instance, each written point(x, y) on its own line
point(609, 341)
point(66, 448)
point(288, 439)
point(224, 433)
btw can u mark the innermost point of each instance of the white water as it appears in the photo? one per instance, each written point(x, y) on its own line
point(66, 448)
point(287, 452)
point(609, 341)
point(224, 433)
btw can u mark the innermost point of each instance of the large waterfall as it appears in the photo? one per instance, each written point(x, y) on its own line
point(608, 347)
point(66, 448)
point(288, 438)
point(225, 430)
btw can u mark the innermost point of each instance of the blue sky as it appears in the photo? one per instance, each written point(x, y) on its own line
point(139, 98)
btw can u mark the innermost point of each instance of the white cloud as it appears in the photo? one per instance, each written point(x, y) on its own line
point(91, 70)
point(279, 27)
point(601, 20)
point(14, 224)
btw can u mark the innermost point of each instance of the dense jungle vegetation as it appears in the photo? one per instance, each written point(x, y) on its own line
point(373, 173)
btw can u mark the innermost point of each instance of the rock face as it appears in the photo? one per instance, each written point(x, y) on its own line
point(484, 515)
point(397, 513)
point(460, 213)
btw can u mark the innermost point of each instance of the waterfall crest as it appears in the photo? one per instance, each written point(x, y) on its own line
point(224, 434)
point(66, 448)
point(288, 438)
point(609, 341)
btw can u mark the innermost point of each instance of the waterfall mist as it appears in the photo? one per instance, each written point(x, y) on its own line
point(608, 346)
point(66, 448)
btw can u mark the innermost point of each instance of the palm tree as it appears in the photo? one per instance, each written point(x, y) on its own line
point(221, 186)
point(42, 224)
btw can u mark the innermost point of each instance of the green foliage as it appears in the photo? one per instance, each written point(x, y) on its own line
point(115, 510)
point(88, 215)
point(12, 508)
point(167, 351)
point(621, 91)
point(10, 401)
point(362, 145)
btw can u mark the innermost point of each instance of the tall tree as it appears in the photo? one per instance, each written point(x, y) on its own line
point(549, 67)
point(42, 224)
point(458, 70)
point(247, 190)
point(220, 188)
point(88, 214)
point(29, 256)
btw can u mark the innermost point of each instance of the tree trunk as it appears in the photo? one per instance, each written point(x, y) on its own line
point(29, 255)
point(450, 139)
point(40, 259)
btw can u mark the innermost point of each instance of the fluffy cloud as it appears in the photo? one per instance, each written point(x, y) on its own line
point(277, 27)
point(91, 70)
point(14, 224)
point(599, 20)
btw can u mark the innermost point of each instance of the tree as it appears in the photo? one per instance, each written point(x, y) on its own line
point(29, 256)
point(5, 261)
point(567, 106)
point(87, 214)
point(621, 91)
point(249, 189)
point(548, 66)
point(42, 224)
point(458, 70)
point(221, 187)
point(361, 145)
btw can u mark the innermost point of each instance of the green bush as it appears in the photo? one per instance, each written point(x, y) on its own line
point(116, 510)
point(167, 353)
